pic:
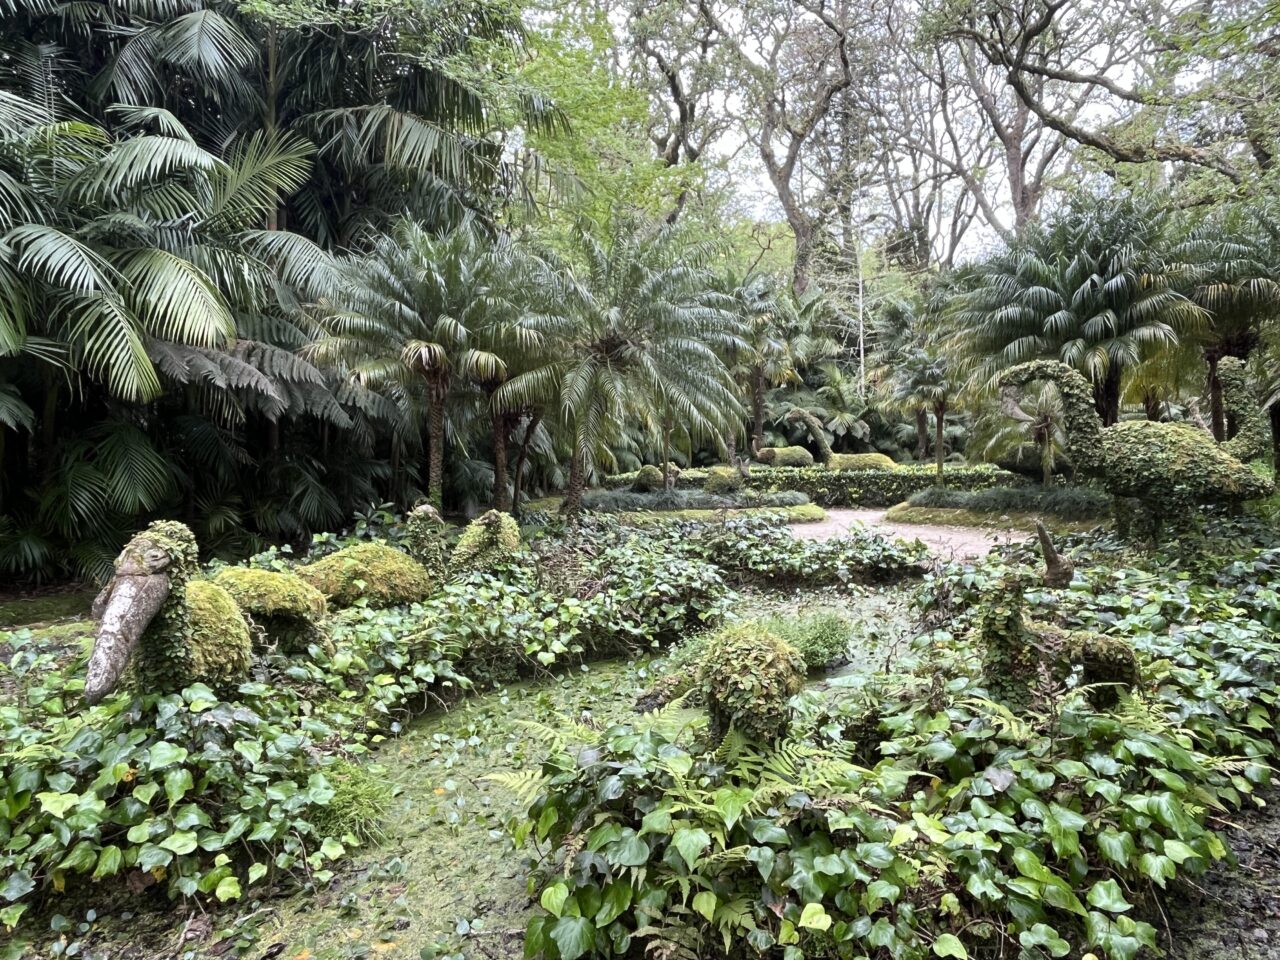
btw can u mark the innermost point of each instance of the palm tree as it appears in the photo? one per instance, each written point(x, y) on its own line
point(1036, 424)
point(1096, 287)
point(634, 325)
point(923, 380)
point(420, 313)
point(898, 328)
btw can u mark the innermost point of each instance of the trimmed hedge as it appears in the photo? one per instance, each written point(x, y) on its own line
point(875, 488)
point(1069, 503)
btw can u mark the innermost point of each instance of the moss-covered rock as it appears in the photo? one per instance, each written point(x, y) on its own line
point(220, 651)
point(647, 479)
point(751, 676)
point(722, 480)
point(861, 461)
point(785, 456)
point(489, 541)
point(284, 605)
point(381, 575)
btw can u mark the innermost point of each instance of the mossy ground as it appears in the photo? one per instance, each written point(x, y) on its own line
point(44, 608)
point(955, 517)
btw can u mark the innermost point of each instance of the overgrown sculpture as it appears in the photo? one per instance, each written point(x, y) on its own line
point(1019, 656)
point(1154, 470)
point(816, 433)
point(489, 541)
point(171, 630)
point(1058, 570)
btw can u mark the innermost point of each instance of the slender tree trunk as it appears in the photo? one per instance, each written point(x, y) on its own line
point(1273, 413)
point(668, 476)
point(939, 412)
point(501, 488)
point(1217, 412)
point(1106, 396)
point(577, 481)
point(48, 426)
point(435, 461)
point(922, 434)
point(522, 455)
point(757, 409)
point(1151, 405)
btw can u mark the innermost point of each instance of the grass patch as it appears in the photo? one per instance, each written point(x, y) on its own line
point(45, 608)
point(958, 517)
point(1065, 503)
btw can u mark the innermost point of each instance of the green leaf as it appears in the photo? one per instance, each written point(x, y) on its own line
point(814, 917)
point(257, 871)
point(705, 904)
point(730, 802)
point(690, 842)
point(949, 945)
point(109, 862)
point(617, 897)
point(164, 754)
point(176, 784)
point(1043, 935)
point(1106, 895)
point(629, 851)
point(182, 842)
point(17, 886)
point(57, 804)
point(228, 889)
point(574, 936)
point(332, 849)
point(554, 897)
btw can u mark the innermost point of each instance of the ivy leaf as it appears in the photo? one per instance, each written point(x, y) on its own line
point(1043, 935)
point(949, 945)
point(109, 862)
point(574, 936)
point(705, 904)
point(553, 898)
point(228, 889)
point(57, 804)
point(332, 849)
point(628, 851)
point(176, 784)
point(1106, 895)
point(257, 871)
point(164, 754)
point(182, 842)
point(617, 897)
point(17, 886)
point(1116, 847)
point(691, 841)
point(730, 802)
point(814, 917)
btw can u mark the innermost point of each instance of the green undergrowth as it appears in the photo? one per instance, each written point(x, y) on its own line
point(50, 607)
point(801, 513)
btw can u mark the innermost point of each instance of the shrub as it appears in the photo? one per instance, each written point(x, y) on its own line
point(722, 480)
point(380, 575)
point(359, 804)
point(789, 457)
point(688, 478)
point(1066, 503)
point(861, 461)
point(754, 675)
point(647, 479)
point(489, 542)
point(875, 488)
point(678, 674)
point(822, 639)
point(285, 606)
point(625, 501)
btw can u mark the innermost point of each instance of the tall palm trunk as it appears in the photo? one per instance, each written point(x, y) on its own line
point(757, 409)
point(501, 488)
point(1106, 396)
point(939, 413)
point(522, 455)
point(435, 443)
point(577, 481)
point(922, 434)
point(1217, 410)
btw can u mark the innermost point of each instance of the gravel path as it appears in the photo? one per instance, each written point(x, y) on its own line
point(960, 543)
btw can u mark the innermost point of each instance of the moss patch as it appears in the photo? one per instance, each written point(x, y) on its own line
point(45, 608)
point(221, 648)
point(284, 605)
point(955, 517)
point(375, 572)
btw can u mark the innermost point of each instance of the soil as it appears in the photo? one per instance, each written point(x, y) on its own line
point(947, 543)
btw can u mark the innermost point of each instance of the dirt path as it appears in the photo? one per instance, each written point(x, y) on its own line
point(960, 543)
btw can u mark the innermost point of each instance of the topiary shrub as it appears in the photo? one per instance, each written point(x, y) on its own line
point(766, 455)
point(219, 648)
point(722, 480)
point(861, 461)
point(789, 457)
point(648, 479)
point(875, 488)
point(424, 539)
point(374, 572)
point(285, 606)
point(489, 541)
point(754, 675)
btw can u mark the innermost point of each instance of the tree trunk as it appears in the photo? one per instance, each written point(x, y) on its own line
point(922, 434)
point(668, 475)
point(1106, 396)
point(435, 461)
point(501, 487)
point(1273, 413)
point(577, 481)
point(1217, 413)
point(940, 413)
point(757, 409)
point(522, 455)
point(1151, 405)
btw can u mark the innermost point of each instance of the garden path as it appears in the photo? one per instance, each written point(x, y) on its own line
point(959, 543)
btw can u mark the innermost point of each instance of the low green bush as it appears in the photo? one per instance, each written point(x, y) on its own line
point(749, 676)
point(491, 541)
point(284, 605)
point(785, 456)
point(804, 513)
point(1066, 503)
point(626, 501)
point(647, 479)
point(875, 488)
point(821, 639)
